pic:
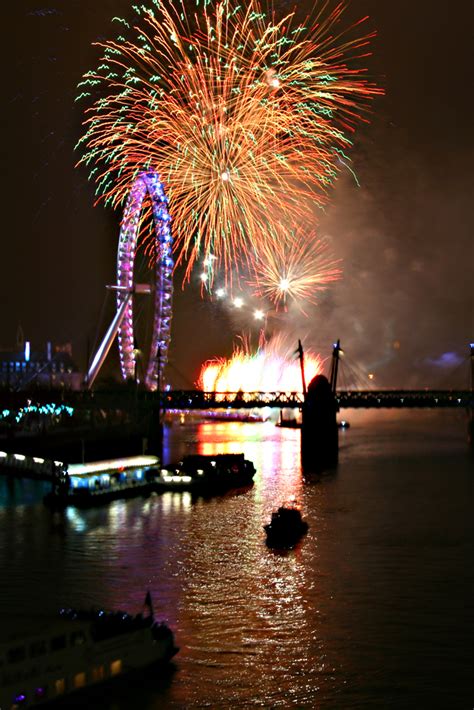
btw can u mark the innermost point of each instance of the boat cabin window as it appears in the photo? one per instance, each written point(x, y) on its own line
point(80, 680)
point(16, 654)
point(98, 673)
point(37, 648)
point(58, 642)
point(60, 686)
point(77, 638)
point(116, 667)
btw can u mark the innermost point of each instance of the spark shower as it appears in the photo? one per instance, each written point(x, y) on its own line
point(245, 115)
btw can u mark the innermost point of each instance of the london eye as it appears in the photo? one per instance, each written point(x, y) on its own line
point(127, 287)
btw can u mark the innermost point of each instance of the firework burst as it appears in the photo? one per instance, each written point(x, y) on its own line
point(272, 367)
point(297, 266)
point(243, 115)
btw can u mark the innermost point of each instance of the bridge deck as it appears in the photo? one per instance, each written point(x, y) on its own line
point(195, 399)
point(344, 399)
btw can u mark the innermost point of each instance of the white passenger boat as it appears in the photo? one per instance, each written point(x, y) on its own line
point(97, 482)
point(43, 659)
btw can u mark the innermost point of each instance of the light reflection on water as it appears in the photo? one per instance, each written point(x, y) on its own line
point(364, 613)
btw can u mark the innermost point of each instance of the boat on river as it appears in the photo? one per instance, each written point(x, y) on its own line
point(296, 423)
point(203, 474)
point(98, 482)
point(44, 659)
point(286, 527)
point(89, 484)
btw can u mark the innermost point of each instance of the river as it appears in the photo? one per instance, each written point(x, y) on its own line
point(374, 609)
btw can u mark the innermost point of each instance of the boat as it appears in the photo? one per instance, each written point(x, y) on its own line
point(98, 482)
point(288, 423)
point(296, 423)
point(233, 416)
point(204, 474)
point(45, 659)
point(286, 527)
point(89, 484)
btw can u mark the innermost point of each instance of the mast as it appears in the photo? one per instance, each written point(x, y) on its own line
point(301, 357)
point(335, 365)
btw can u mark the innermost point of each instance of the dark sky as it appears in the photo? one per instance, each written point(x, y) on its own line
point(404, 309)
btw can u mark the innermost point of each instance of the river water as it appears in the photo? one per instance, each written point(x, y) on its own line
point(374, 609)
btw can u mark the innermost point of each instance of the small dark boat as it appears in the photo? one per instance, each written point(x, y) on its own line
point(286, 527)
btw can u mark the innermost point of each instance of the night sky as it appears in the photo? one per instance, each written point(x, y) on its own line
point(404, 309)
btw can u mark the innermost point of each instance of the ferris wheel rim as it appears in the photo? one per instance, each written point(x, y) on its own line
point(145, 183)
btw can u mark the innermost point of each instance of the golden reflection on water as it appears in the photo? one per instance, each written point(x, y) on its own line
point(241, 600)
point(173, 502)
point(275, 453)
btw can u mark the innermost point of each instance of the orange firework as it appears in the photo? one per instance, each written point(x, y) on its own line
point(243, 115)
point(273, 367)
point(296, 265)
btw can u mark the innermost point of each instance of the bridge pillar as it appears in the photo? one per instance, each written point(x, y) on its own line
point(319, 431)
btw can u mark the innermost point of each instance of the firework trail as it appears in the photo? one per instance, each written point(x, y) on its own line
point(245, 117)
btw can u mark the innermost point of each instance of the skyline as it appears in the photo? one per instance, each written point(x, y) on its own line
point(404, 306)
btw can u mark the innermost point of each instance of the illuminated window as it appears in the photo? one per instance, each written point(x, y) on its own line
point(115, 667)
point(98, 673)
point(79, 680)
point(60, 686)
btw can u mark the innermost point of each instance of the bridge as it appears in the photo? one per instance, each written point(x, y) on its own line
point(130, 400)
point(344, 399)
point(69, 422)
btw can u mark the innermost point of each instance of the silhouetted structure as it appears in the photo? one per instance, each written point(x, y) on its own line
point(319, 431)
point(21, 368)
point(336, 351)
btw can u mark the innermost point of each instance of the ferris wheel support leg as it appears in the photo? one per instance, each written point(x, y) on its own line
point(106, 343)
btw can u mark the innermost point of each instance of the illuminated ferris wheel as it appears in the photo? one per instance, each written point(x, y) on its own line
point(160, 291)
